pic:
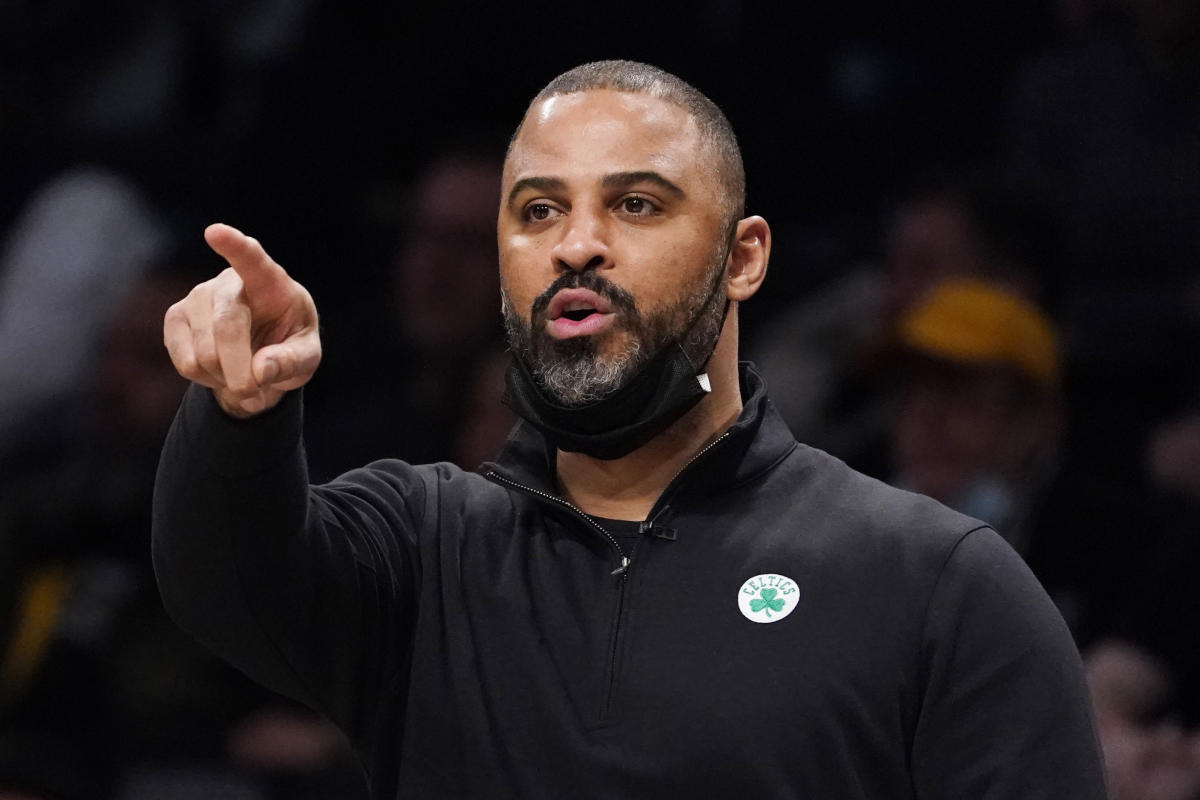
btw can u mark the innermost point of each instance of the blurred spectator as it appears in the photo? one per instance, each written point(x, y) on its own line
point(82, 242)
point(74, 519)
point(1158, 610)
point(100, 695)
point(1148, 753)
point(1143, 671)
point(417, 369)
point(1107, 125)
point(812, 353)
point(1174, 457)
point(977, 407)
point(979, 420)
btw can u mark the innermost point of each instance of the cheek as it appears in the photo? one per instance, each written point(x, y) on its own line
point(669, 276)
point(519, 283)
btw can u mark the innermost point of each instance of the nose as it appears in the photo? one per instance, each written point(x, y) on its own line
point(584, 242)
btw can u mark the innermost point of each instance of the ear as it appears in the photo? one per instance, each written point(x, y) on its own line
point(747, 264)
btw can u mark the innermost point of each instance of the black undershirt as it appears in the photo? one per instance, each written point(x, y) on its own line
point(627, 532)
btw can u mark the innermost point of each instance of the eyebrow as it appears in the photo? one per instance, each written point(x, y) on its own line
point(539, 183)
point(620, 180)
point(615, 180)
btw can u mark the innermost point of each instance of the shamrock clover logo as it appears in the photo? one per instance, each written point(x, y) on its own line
point(768, 597)
point(767, 601)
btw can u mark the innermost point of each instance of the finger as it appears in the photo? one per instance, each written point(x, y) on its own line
point(231, 321)
point(205, 350)
point(177, 336)
point(288, 365)
point(258, 271)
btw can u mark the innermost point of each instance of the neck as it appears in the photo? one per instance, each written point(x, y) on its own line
point(628, 487)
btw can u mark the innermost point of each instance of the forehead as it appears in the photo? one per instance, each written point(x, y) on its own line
point(609, 131)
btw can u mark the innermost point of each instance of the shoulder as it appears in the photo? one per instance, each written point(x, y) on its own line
point(857, 507)
point(874, 546)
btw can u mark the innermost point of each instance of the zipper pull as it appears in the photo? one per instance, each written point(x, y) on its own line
point(658, 531)
point(623, 568)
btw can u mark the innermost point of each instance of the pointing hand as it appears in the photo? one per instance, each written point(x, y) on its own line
point(249, 334)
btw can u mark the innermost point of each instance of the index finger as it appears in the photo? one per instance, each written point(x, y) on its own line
point(258, 271)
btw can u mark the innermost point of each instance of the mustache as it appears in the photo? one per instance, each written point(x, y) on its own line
point(617, 297)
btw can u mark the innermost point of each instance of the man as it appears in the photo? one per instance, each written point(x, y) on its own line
point(654, 591)
point(977, 411)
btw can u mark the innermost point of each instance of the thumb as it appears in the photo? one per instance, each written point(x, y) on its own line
point(259, 273)
point(289, 364)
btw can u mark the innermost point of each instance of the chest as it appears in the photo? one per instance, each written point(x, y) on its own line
point(723, 649)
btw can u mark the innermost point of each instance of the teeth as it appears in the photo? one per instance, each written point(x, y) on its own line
point(578, 305)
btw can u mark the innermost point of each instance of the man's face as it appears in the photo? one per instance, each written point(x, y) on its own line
point(611, 239)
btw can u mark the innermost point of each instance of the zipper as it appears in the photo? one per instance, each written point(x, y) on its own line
point(650, 525)
point(614, 649)
point(622, 569)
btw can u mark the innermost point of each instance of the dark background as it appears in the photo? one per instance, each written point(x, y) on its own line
point(306, 124)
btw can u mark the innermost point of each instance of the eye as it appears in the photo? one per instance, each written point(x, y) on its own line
point(637, 206)
point(538, 212)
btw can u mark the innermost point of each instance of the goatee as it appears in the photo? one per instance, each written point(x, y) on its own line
point(575, 373)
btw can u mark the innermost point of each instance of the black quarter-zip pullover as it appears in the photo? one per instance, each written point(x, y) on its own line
point(782, 627)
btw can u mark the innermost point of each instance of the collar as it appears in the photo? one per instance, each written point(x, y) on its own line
point(757, 441)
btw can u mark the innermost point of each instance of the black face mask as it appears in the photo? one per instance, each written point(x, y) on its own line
point(660, 392)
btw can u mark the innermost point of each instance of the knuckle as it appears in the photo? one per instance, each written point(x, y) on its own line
point(187, 366)
point(230, 321)
point(198, 292)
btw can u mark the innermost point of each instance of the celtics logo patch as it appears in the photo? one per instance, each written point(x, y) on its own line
point(767, 598)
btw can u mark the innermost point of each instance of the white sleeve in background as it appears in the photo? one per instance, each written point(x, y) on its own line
point(80, 244)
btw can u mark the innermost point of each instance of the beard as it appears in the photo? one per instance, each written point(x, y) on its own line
point(575, 372)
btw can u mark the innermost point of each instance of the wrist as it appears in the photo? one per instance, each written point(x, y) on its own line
point(241, 406)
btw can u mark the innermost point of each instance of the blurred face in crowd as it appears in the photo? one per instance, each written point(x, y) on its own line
point(931, 239)
point(954, 423)
point(1147, 753)
point(446, 266)
point(612, 237)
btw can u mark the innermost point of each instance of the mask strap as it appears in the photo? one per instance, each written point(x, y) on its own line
point(712, 290)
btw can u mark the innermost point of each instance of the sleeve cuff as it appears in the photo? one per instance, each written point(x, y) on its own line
point(239, 447)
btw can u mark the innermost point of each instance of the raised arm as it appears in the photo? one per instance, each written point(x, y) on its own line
point(306, 589)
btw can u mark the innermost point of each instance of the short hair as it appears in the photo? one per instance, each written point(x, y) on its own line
point(638, 78)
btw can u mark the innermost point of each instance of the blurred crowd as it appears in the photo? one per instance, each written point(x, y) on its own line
point(985, 288)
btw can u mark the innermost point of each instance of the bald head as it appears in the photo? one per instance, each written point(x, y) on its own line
point(637, 78)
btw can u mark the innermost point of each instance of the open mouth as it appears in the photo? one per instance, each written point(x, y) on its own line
point(577, 312)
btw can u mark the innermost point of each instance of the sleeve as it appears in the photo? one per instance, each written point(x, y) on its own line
point(1005, 712)
point(308, 590)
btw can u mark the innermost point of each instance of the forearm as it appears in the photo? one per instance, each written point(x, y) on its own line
point(207, 537)
point(309, 590)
